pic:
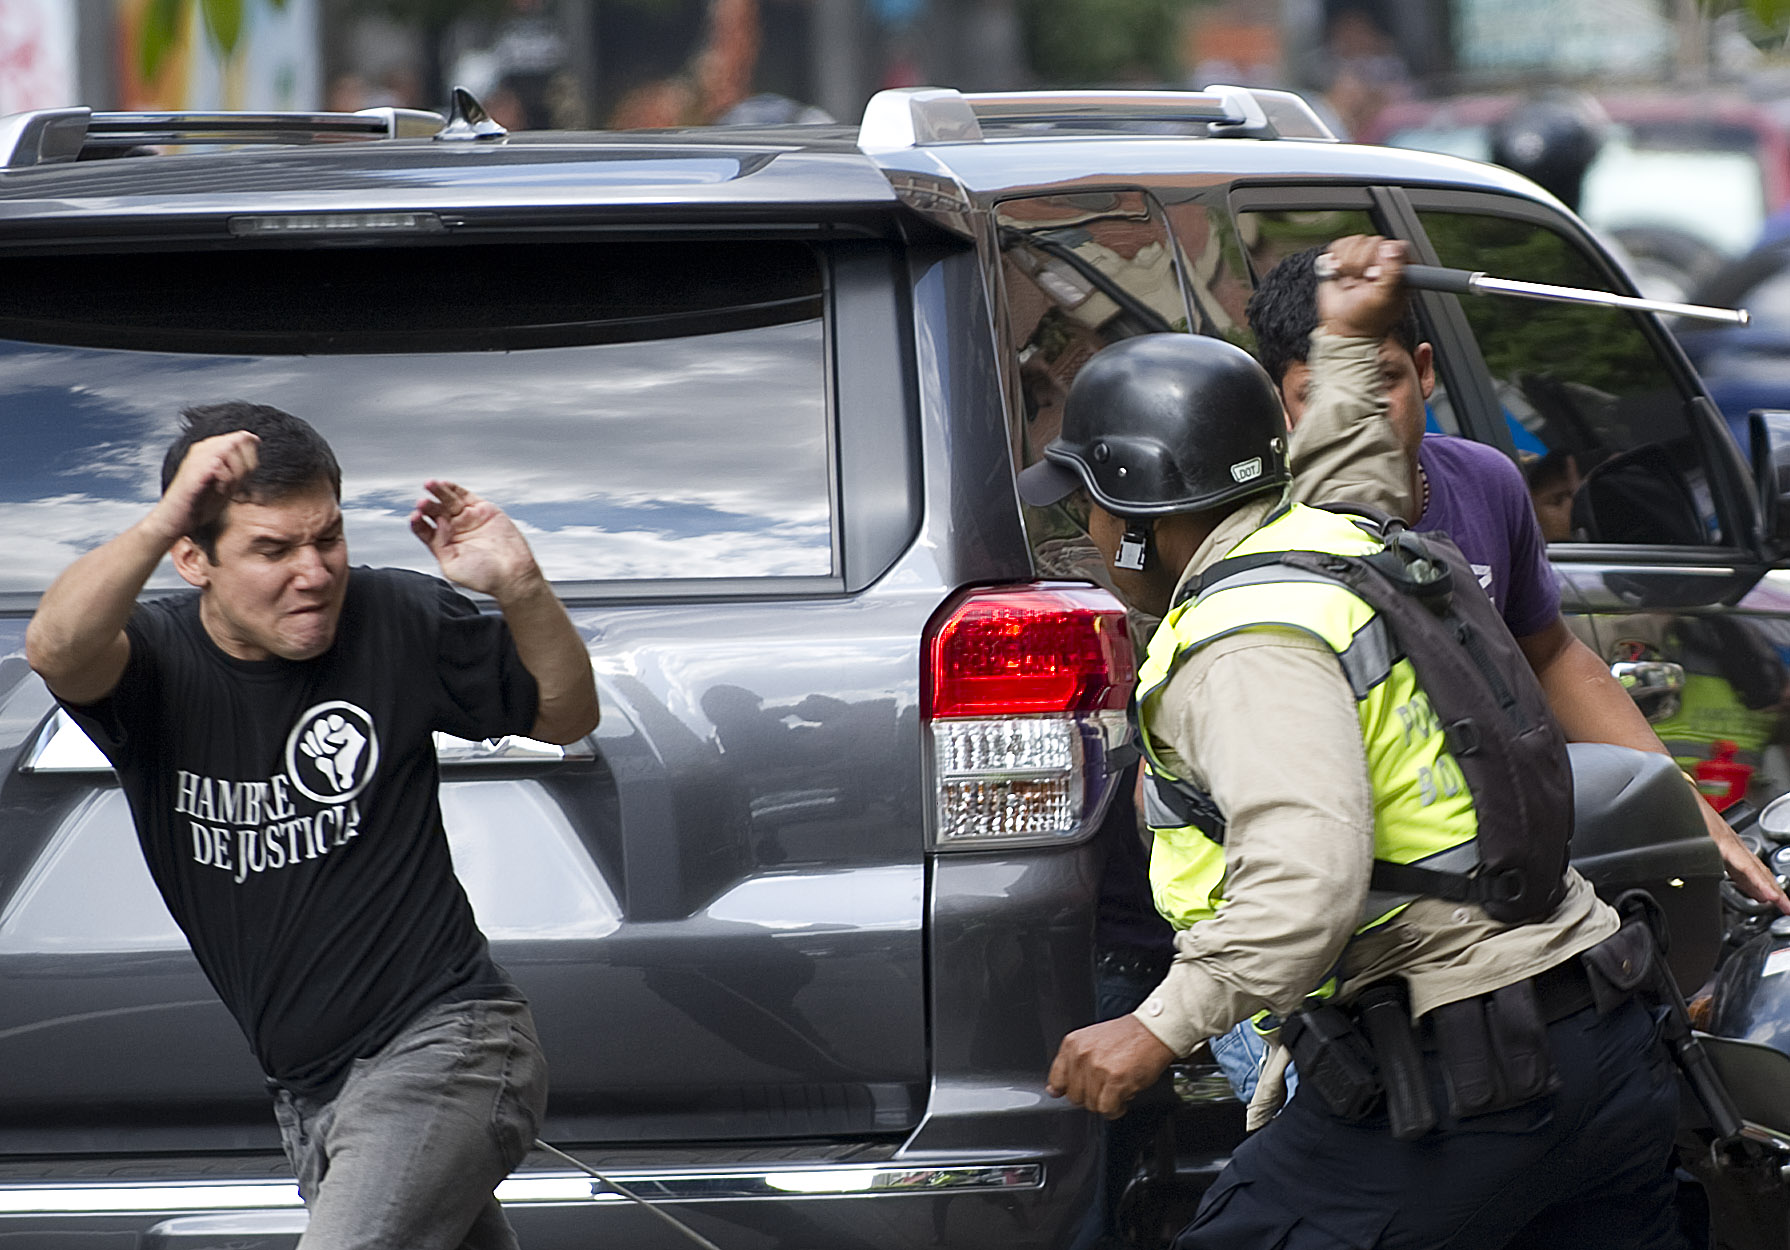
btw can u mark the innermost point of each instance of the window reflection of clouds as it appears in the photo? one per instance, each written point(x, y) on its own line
point(695, 457)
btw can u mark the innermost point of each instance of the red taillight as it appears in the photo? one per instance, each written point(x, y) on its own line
point(1025, 691)
point(1009, 652)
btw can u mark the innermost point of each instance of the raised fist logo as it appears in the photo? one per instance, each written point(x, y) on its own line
point(335, 745)
point(332, 752)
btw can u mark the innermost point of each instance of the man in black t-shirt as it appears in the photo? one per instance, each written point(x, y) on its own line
point(273, 734)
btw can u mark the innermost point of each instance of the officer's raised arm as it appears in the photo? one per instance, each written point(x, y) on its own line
point(76, 640)
point(1323, 321)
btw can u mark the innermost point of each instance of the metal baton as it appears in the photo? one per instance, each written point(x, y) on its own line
point(1464, 282)
point(1473, 282)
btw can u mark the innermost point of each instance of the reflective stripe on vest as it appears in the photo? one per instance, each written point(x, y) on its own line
point(1423, 812)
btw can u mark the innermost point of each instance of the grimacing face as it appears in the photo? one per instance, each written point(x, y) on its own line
point(279, 577)
point(1406, 379)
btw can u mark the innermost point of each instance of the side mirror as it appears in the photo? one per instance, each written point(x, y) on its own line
point(1770, 438)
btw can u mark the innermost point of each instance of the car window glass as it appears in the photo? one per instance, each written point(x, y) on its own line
point(1590, 405)
point(1080, 271)
point(1272, 235)
point(642, 411)
point(1215, 263)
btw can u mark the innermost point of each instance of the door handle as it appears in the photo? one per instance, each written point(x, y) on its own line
point(1649, 677)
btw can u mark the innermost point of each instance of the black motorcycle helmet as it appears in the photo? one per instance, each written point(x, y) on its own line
point(1552, 140)
point(1165, 423)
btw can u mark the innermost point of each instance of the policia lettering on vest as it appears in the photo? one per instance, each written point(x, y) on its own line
point(1361, 807)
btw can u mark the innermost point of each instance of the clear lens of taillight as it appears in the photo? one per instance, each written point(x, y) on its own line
point(1025, 701)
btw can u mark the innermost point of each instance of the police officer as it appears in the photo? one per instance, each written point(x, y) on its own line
point(1562, 1132)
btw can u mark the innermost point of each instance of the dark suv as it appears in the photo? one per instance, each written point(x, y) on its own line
point(804, 921)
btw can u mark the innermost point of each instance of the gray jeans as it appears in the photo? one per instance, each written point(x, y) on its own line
point(406, 1154)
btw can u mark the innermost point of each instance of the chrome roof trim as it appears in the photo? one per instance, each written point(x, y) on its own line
point(57, 136)
point(1054, 163)
point(930, 116)
point(543, 1188)
point(48, 136)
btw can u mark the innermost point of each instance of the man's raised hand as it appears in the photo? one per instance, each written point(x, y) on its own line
point(472, 539)
point(210, 476)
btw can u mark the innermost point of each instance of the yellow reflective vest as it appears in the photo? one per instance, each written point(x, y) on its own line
point(1423, 811)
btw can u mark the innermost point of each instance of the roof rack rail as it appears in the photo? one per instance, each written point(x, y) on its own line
point(55, 135)
point(925, 116)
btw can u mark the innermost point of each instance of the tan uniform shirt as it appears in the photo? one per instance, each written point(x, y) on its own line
point(1345, 448)
point(1266, 722)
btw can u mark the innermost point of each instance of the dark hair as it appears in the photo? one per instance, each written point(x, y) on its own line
point(291, 458)
point(1554, 466)
point(1283, 312)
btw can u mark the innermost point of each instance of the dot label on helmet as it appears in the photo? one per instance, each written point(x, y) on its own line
point(1247, 470)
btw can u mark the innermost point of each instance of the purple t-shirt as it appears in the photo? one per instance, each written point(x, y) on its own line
point(1478, 498)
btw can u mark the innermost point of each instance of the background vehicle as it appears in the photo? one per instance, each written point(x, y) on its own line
point(805, 920)
point(1746, 367)
point(1724, 157)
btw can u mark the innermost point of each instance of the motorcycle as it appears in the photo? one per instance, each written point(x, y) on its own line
point(1745, 1015)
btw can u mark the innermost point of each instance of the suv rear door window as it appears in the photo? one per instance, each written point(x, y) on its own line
point(645, 411)
point(1079, 272)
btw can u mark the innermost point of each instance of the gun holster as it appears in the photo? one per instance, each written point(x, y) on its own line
point(1636, 955)
point(1333, 1059)
point(1384, 1012)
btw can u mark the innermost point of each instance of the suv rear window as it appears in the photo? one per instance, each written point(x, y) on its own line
point(646, 411)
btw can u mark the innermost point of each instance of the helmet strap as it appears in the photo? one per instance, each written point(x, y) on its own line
point(1134, 547)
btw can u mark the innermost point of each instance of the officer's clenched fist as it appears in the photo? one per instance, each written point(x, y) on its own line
point(1104, 1066)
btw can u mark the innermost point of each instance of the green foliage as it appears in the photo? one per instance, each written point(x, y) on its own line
point(165, 19)
point(1768, 17)
point(223, 23)
point(162, 22)
point(1088, 41)
point(1589, 371)
point(1773, 15)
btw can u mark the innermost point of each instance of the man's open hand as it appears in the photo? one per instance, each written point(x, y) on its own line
point(475, 543)
point(1104, 1066)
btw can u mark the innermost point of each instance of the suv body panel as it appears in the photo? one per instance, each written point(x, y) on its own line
point(791, 985)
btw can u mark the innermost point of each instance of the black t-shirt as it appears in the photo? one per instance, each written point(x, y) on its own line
point(289, 811)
